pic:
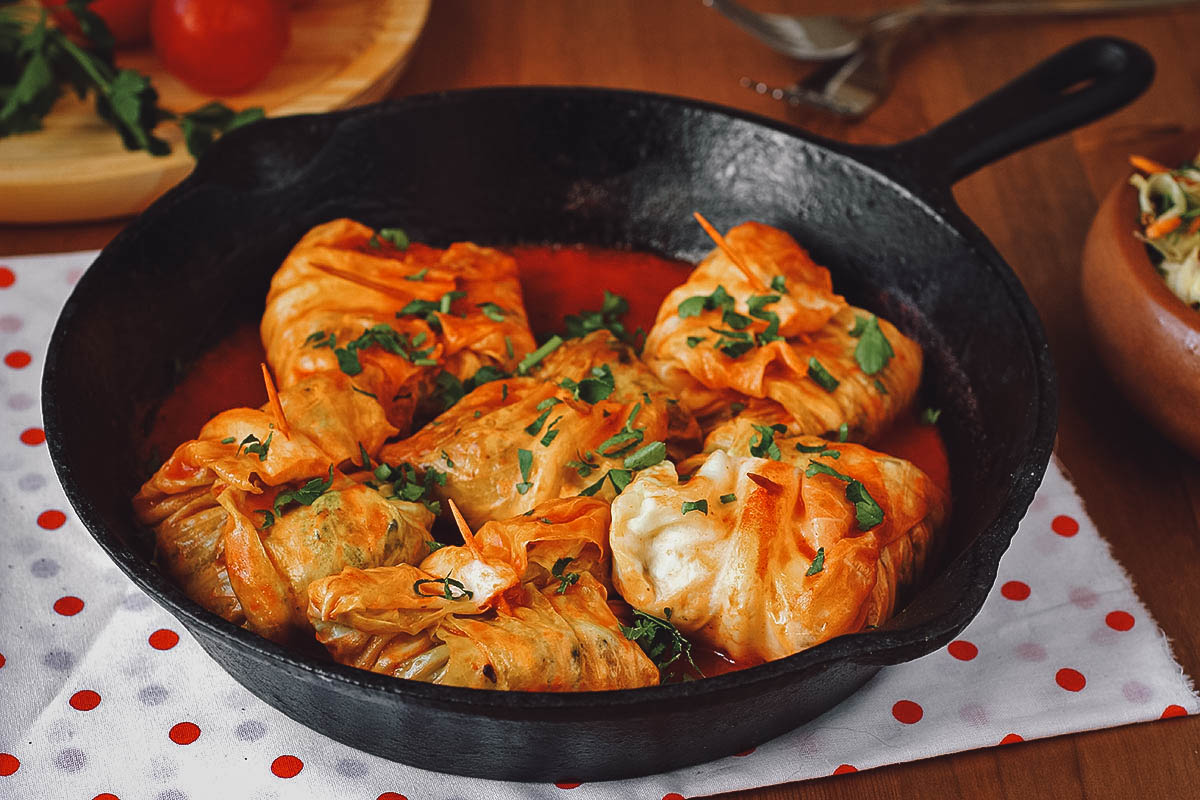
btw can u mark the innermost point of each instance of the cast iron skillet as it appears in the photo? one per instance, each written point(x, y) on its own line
point(605, 168)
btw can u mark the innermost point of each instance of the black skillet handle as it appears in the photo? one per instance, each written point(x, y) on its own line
point(1071, 88)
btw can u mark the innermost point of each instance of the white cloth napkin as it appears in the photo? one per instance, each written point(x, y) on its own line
point(102, 691)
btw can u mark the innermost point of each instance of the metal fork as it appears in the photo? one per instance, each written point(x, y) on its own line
point(824, 37)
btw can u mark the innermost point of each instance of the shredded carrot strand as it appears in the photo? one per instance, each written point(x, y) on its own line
point(1195, 226)
point(1147, 165)
point(1163, 226)
point(276, 406)
point(733, 255)
point(465, 530)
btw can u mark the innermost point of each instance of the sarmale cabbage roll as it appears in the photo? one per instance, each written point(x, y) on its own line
point(585, 424)
point(394, 318)
point(782, 342)
point(762, 557)
point(517, 607)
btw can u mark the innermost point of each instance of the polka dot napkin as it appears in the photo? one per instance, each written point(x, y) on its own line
point(104, 695)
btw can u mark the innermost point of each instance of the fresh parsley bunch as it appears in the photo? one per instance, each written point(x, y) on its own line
point(38, 62)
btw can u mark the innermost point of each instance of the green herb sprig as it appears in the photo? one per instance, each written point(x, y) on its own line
point(660, 640)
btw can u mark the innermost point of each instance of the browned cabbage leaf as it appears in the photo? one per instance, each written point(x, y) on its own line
point(517, 607)
point(773, 377)
point(336, 283)
point(478, 442)
point(774, 561)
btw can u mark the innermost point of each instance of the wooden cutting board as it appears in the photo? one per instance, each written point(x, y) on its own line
point(342, 53)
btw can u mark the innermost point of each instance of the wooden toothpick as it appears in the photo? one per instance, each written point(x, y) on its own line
point(276, 406)
point(732, 254)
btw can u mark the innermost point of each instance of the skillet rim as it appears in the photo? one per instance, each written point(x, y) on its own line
point(979, 558)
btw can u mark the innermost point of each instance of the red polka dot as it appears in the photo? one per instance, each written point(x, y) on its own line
point(287, 766)
point(1070, 679)
point(567, 785)
point(1119, 620)
point(744, 753)
point(8, 764)
point(1015, 590)
point(7, 277)
point(33, 436)
point(1, 659)
point(163, 639)
point(1064, 525)
point(68, 606)
point(962, 650)
point(391, 796)
point(51, 520)
point(844, 769)
point(673, 796)
point(184, 732)
point(106, 796)
point(907, 712)
point(84, 700)
point(1012, 738)
point(18, 359)
point(1173, 711)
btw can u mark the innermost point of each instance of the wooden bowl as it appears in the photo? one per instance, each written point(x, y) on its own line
point(1147, 337)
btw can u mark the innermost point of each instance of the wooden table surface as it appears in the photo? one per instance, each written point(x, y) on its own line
point(1035, 206)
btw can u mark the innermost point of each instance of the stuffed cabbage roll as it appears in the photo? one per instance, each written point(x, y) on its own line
point(517, 607)
point(776, 544)
point(591, 417)
point(247, 514)
point(393, 317)
point(779, 338)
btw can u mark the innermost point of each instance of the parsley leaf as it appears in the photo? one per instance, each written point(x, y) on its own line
point(566, 579)
point(820, 375)
point(779, 284)
point(306, 495)
point(728, 498)
point(692, 341)
point(419, 275)
point(647, 456)
point(843, 432)
point(255, 447)
point(695, 505)
point(525, 464)
point(492, 311)
point(930, 416)
point(397, 238)
point(546, 406)
point(599, 385)
point(818, 563)
point(765, 446)
point(533, 359)
point(228, 440)
point(386, 338)
point(449, 587)
point(408, 487)
point(873, 351)
point(660, 640)
point(867, 512)
point(608, 317)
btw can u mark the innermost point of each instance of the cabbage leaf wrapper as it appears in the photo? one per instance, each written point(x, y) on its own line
point(513, 444)
point(785, 345)
point(347, 298)
point(762, 557)
point(226, 531)
point(520, 606)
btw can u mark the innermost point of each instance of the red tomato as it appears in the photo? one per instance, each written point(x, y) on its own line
point(220, 46)
point(129, 20)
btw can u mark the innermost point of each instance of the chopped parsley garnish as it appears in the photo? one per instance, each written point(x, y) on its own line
point(619, 478)
point(419, 275)
point(306, 495)
point(695, 505)
point(447, 389)
point(395, 237)
point(596, 387)
point(625, 438)
point(551, 432)
point(566, 579)
point(820, 375)
point(546, 406)
point(779, 284)
point(873, 351)
point(508, 348)
point(736, 408)
point(384, 337)
point(429, 309)
point(866, 510)
point(757, 306)
point(255, 447)
point(525, 463)
point(818, 563)
point(765, 446)
point(366, 459)
point(608, 317)
point(930, 416)
point(733, 342)
point(321, 339)
point(843, 432)
point(408, 487)
point(879, 387)
point(449, 587)
point(694, 306)
point(228, 440)
point(533, 359)
point(660, 640)
point(584, 465)
point(492, 311)
point(447, 459)
point(692, 341)
point(432, 545)
point(728, 498)
point(647, 456)
point(374, 242)
point(809, 448)
point(485, 374)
